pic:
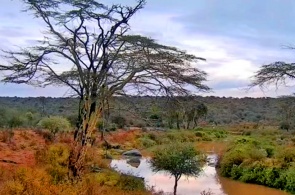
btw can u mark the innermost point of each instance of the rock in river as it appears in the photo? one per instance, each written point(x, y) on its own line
point(132, 153)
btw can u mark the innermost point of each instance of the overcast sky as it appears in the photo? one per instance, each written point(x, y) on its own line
point(235, 36)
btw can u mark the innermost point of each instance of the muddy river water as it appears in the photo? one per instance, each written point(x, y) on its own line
point(208, 180)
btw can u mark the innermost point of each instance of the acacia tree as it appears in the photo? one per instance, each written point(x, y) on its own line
point(275, 73)
point(201, 111)
point(176, 159)
point(86, 48)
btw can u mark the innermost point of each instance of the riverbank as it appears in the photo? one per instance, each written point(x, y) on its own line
point(246, 155)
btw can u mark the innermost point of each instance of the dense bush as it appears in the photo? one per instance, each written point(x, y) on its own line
point(146, 142)
point(57, 157)
point(119, 121)
point(253, 161)
point(55, 124)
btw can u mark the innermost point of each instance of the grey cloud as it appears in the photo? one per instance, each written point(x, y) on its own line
point(264, 23)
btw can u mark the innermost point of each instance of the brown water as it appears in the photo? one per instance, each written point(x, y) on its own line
point(208, 180)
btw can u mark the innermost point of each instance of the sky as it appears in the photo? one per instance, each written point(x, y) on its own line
point(235, 36)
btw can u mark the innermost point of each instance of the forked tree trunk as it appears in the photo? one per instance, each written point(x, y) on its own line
point(90, 112)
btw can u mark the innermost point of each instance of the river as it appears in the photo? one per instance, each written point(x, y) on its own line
point(207, 180)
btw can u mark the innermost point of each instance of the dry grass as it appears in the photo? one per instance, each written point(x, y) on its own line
point(41, 166)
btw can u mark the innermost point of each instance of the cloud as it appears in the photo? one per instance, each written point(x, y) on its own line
point(236, 37)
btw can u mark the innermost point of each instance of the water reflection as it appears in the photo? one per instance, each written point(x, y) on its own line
point(162, 181)
point(190, 185)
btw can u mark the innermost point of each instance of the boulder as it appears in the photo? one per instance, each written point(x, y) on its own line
point(134, 162)
point(132, 153)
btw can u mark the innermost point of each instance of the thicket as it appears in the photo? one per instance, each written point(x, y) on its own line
point(267, 161)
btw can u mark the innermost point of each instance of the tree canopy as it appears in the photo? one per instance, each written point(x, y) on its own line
point(177, 159)
point(87, 46)
point(275, 73)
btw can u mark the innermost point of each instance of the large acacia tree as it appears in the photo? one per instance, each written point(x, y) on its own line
point(275, 73)
point(87, 47)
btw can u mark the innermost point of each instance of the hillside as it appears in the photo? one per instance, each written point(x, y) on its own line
point(221, 110)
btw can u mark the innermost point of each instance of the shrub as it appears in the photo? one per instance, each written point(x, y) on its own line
point(270, 151)
point(15, 121)
point(55, 159)
point(206, 138)
point(119, 120)
point(152, 136)
point(55, 124)
point(290, 179)
point(130, 183)
point(200, 133)
point(29, 181)
point(285, 125)
point(286, 155)
point(146, 142)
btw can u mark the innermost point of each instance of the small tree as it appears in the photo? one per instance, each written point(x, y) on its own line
point(29, 117)
point(176, 159)
point(55, 124)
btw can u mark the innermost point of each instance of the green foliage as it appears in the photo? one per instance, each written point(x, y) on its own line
point(259, 162)
point(200, 133)
point(55, 124)
point(73, 119)
point(115, 179)
point(3, 117)
point(146, 142)
point(120, 121)
point(15, 121)
point(176, 159)
point(131, 183)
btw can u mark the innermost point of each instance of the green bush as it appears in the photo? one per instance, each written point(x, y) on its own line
point(130, 183)
point(256, 162)
point(55, 124)
point(200, 133)
point(119, 121)
point(290, 179)
point(16, 121)
point(146, 142)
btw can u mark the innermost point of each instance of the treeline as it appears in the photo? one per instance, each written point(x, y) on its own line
point(181, 112)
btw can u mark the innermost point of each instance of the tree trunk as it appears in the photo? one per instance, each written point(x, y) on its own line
point(188, 124)
point(175, 186)
point(177, 123)
point(90, 112)
point(195, 123)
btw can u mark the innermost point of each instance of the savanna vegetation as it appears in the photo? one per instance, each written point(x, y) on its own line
point(130, 92)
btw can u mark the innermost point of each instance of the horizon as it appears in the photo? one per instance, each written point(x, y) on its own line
point(136, 96)
point(235, 37)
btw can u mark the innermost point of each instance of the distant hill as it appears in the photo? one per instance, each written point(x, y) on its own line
point(221, 110)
